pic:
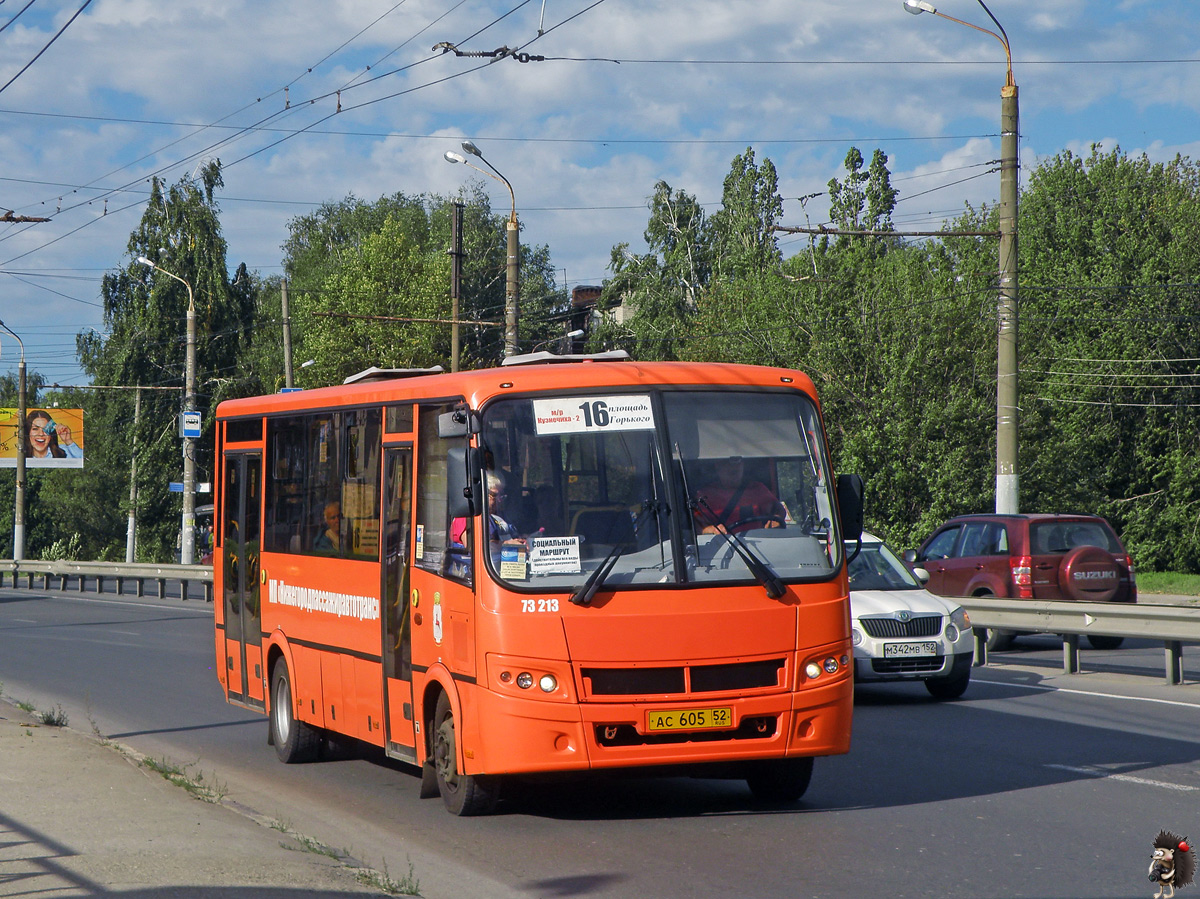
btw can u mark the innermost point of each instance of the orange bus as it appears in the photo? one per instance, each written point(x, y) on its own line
point(543, 567)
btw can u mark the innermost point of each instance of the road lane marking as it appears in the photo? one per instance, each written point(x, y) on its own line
point(1128, 778)
point(997, 683)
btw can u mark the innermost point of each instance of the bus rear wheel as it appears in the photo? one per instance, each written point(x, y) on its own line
point(779, 780)
point(294, 740)
point(463, 794)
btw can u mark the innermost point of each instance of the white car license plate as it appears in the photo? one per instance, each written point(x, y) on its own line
point(908, 650)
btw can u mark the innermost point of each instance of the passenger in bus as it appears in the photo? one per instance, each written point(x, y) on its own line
point(734, 504)
point(500, 530)
point(330, 539)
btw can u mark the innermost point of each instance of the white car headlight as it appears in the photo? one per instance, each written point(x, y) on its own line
point(856, 637)
point(958, 624)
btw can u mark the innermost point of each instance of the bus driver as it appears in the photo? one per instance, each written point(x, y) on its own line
point(735, 504)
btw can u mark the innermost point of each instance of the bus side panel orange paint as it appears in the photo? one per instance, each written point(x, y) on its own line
point(219, 660)
point(399, 726)
point(254, 665)
point(306, 686)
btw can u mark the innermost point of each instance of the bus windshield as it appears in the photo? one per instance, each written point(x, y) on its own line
point(662, 487)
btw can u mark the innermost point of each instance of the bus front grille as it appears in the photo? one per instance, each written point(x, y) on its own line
point(683, 680)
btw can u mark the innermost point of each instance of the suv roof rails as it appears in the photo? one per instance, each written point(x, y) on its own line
point(375, 373)
point(545, 357)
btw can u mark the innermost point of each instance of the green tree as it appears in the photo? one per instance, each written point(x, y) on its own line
point(144, 345)
point(743, 230)
point(862, 200)
point(659, 290)
point(1109, 260)
point(389, 259)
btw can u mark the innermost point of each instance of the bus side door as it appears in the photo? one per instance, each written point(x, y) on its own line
point(242, 512)
point(396, 617)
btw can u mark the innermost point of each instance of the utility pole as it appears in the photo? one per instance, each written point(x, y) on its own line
point(187, 536)
point(513, 244)
point(131, 530)
point(511, 284)
point(456, 254)
point(19, 502)
point(1007, 399)
point(287, 336)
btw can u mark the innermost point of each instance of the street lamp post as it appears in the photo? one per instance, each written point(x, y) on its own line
point(19, 502)
point(511, 283)
point(187, 538)
point(1007, 409)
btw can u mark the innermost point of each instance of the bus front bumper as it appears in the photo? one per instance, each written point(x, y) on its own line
point(537, 736)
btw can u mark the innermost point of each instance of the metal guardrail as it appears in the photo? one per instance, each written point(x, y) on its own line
point(99, 572)
point(1174, 625)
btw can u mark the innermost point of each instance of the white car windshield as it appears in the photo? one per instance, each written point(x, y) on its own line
point(876, 567)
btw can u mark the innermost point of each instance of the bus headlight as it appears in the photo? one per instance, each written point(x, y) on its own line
point(830, 665)
point(542, 679)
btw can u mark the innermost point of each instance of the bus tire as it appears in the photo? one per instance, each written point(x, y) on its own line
point(779, 780)
point(294, 740)
point(463, 794)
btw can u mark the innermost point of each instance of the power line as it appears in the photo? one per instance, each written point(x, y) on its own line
point(86, 4)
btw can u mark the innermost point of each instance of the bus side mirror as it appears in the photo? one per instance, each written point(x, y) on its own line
point(850, 506)
point(458, 423)
point(462, 481)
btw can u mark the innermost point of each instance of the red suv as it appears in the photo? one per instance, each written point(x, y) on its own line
point(1066, 557)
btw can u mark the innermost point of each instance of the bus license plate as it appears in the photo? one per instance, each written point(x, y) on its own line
point(689, 719)
point(908, 650)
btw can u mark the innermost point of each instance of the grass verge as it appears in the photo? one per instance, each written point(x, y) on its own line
point(193, 783)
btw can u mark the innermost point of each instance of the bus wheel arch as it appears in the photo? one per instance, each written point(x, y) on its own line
point(463, 794)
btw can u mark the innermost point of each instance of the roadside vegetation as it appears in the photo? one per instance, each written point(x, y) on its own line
point(899, 335)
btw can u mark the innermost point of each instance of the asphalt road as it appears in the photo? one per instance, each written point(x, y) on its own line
point(1035, 784)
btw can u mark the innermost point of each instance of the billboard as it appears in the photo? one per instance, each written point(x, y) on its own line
point(55, 438)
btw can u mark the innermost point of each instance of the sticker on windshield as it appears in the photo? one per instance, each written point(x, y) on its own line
point(554, 555)
point(582, 414)
point(513, 561)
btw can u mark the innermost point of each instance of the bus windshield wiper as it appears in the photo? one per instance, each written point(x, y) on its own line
point(760, 569)
point(583, 596)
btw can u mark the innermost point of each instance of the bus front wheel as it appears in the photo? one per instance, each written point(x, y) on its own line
point(779, 780)
point(464, 794)
point(294, 740)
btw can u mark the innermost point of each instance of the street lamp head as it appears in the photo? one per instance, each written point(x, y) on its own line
point(144, 261)
point(472, 149)
point(916, 7)
point(451, 156)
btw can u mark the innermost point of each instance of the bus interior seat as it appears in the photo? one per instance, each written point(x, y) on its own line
point(609, 525)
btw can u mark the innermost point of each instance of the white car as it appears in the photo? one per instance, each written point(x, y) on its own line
point(901, 631)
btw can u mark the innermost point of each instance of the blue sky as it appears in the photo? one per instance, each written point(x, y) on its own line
point(632, 92)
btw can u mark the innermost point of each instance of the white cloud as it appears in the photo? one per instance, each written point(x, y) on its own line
point(583, 142)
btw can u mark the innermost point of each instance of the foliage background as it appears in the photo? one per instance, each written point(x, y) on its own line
point(899, 335)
